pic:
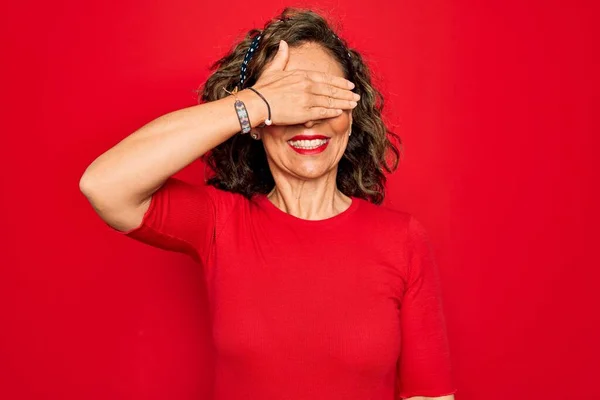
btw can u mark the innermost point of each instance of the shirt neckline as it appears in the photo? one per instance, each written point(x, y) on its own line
point(266, 204)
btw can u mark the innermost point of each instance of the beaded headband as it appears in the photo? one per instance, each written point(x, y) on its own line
point(254, 46)
point(247, 58)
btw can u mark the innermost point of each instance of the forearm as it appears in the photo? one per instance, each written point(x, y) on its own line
point(133, 169)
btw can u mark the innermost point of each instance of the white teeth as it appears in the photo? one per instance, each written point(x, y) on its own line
point(307, 144)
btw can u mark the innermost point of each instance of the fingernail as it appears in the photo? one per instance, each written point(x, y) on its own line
point(351, 85)
point(353, 103)
point(357, 96)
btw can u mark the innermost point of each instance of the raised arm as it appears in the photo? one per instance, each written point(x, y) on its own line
point(119, 184)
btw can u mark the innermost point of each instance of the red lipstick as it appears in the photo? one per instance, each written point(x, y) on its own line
point(313, 151)
point(308, 137)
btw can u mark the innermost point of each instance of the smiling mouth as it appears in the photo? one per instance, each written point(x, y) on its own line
point(309, 144)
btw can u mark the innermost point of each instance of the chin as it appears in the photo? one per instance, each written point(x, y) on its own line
point(310, 170)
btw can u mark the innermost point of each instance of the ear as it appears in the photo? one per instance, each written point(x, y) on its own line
point(256, 133)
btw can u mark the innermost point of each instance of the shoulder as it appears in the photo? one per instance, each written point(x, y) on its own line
point(226, 203)
point(223, 197)
point(384, 217)
point(394, 237)
point(398, 227)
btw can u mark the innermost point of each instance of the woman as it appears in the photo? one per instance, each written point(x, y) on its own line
point(316, 292)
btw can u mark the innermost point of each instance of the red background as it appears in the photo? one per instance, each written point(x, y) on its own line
point(495, 102)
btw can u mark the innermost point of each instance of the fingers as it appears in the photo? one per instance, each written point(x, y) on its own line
point(322, 113)
point(330, 102)
point(281, 58)
point(324, 89)
point(332, 80)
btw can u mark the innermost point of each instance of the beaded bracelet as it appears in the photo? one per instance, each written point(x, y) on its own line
point(242, 113)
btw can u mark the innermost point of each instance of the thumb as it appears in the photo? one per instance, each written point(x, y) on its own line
point(281, 58)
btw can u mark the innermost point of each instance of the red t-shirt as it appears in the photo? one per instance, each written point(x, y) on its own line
point(343, 308)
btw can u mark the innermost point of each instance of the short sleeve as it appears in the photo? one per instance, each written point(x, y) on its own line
point(424, 367)
point(181, 217)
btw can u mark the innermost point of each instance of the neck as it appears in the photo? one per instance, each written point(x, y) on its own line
point(309, 199)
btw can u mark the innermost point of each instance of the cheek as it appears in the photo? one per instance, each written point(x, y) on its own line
point(271, 133)
point(271, 138)
point(340, 125)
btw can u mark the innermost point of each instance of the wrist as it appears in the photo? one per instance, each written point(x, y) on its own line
point(256, 107)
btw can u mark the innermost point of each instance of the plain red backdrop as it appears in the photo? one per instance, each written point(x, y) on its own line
point(495, 102)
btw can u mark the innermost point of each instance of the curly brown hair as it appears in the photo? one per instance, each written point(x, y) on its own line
point(240, 163)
